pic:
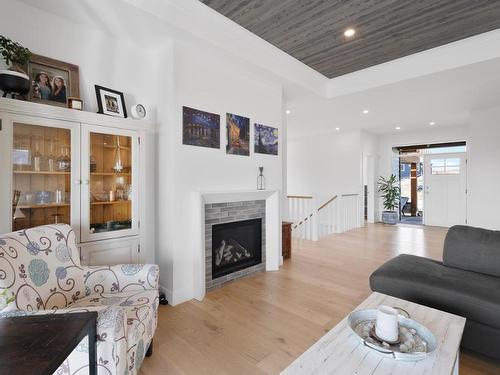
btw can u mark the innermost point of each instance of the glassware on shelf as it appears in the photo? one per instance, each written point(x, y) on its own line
point(59, 195)
point(129, 192)
point(37, 155)
point(64, 161)
point(118, 165)
point(261, 180)
point(120, 188)
point(51, 158)
point(93, 164)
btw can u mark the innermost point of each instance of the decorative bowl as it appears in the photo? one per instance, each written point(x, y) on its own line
point(415, 342)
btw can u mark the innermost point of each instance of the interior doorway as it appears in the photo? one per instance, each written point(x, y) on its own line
point(369, 188)
point(433, 184)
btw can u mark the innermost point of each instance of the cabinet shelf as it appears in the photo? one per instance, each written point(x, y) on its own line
point(50, 205)
point(108, 174)
point(43, 173)
point(107, 202)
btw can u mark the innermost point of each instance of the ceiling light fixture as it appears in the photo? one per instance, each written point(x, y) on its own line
point(432, 123)
point(365, 111)
point(349, 33)
point(288, 111)
point(398, 127)
point(337, 129)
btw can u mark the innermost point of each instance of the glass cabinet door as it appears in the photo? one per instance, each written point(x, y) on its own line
point(41, 175)
point(110, 185)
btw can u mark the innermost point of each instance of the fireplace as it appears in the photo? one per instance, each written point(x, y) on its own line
point(235, 246)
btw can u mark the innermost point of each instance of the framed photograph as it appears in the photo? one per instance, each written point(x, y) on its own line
point(200, 128)
point(265, 140)
point(110, 102)
point(238, 135)
point(52, 81)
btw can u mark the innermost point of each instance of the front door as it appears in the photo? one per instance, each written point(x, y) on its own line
point(445, 189)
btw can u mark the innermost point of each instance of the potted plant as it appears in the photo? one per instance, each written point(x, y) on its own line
point(14, 80)
point(389, 190)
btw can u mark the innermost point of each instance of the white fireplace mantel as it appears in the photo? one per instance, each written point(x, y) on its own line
point(273, 228)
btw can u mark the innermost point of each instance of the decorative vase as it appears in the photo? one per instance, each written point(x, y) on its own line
point(14, 83)
point(261, 180)
point(390, 217)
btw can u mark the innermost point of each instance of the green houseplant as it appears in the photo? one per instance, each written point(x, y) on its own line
point(14, 80)
point(389, 189)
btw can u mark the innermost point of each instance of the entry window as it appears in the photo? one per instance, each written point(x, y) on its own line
point(445, 166)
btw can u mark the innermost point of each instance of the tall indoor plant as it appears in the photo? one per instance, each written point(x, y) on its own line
point(14, 80)
point(389, 189)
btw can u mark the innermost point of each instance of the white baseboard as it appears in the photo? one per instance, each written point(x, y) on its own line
point(177, 297)
point(167, 292)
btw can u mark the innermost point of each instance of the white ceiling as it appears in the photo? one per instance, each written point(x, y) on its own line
point(446, 98)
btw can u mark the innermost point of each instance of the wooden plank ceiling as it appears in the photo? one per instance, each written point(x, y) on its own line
point(313, 30)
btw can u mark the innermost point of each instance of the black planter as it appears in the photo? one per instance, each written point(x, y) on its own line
point(14, 83)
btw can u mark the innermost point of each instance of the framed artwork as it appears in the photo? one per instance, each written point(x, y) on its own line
point(200, 128)
point(238, 135)
point(110, 102)
point(265, 140)
point(52, 81)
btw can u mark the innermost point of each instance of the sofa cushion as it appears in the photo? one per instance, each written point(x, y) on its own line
point(140, 310)
point(472, 249)
point(428, 282)
point(40, 267)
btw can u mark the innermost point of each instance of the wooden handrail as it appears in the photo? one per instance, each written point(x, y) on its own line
point(327, 203)
point(299, 196)
point(312, 213)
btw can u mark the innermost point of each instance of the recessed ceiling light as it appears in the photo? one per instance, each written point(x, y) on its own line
point(337, 129)
point(349, 33)
point(365, 111)
point(432, 123)
point(398, 127)
point(288, 111)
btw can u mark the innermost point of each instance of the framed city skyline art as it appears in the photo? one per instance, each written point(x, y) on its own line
point(200, 128)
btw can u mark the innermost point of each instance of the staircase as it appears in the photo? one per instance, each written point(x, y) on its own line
point(338, 214)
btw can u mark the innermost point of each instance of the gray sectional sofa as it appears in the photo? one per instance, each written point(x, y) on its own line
point(466, 283)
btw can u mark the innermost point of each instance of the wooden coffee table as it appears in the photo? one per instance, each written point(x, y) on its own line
point(38, 344)
point(340, 352)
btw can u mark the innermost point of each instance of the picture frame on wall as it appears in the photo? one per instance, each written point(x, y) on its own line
point(52, 81)
point(200, 128)
point(238, 135)
point(110, 102)
point(265, 139)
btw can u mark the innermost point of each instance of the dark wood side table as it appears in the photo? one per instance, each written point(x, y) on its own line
point(286, 239)
point(39, 344)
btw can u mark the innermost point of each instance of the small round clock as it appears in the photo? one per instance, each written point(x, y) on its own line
point(138, 111)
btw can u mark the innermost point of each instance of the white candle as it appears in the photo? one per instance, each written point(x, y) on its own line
point(387, 323)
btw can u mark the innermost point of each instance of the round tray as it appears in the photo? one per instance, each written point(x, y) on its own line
point(415, 340)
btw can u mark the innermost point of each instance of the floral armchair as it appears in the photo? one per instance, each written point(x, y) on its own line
point(40, 268)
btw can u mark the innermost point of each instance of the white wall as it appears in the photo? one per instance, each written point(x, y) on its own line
point(483, 178)
point(175, 73)
point(324, 165)
point(102, 59)
point(204, 79)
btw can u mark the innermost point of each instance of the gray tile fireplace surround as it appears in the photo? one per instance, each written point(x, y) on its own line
point(217, 213)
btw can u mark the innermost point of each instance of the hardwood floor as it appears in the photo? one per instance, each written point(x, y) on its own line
point(260, 324)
